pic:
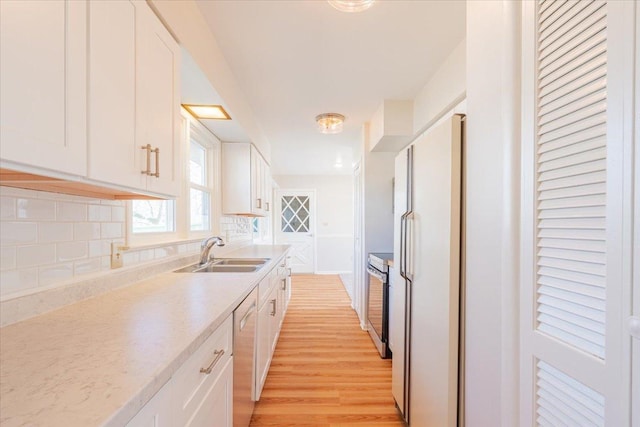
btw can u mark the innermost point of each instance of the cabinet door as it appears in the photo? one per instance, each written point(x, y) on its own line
point(157, 412)
point(257, 199)
point(158, 101)
point(216, 409)
point(113, 153)
point(42, 84)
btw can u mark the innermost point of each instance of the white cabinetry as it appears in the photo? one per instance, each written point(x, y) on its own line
point(245, 179)
point(271, 309)
point(200, 393)
point(85, 85)
point(158, 412)
point(43, 84)
point(134, 98)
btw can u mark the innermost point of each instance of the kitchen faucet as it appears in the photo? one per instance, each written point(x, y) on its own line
point(206, 246)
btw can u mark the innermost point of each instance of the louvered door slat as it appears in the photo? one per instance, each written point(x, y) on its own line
point(593, 314)
point(565, 401)
point(584, 190)
point(554, 11)
point(556, 35)
point(585, 245)
point(589, 34)
point(584, 134)
point(573, 276)
point(547, 152)
point(573, 181)
point(572, 202)
point(549, 115)
point(572, 318)
point(579, 255)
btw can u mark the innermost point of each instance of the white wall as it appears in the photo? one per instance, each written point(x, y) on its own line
point(334, 218)
point(443, 91)
point(492, 183)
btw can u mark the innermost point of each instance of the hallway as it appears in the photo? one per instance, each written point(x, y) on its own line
point(325, 370)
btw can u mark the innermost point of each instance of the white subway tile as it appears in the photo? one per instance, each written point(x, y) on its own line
point(55, 273)
point(71, 211)
point(18, 192)
point(86, 231)
point(99, 248)
point(55, 232)
point(99, 213)
point(72, 251)
point(7, 257)
point(90, 265)
point(18, 280)
point(18, 233)
point(111, 230)
point(36, 255)
point(146, 255)
point(7, 208)
point(117, 213)
point(35, 209)
point(131, 258)
point(105, 262)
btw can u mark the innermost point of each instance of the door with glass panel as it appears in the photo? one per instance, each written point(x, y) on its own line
point(295, 226)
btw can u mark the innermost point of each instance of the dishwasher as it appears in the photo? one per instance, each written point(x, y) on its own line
point(244, 338)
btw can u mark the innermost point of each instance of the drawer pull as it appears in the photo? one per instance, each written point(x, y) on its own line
point(208, 370)
point(284, 285)
point(273, 312)
point(157, 174)
point(147, 171)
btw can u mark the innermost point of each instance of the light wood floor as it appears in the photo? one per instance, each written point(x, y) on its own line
point(325, 370)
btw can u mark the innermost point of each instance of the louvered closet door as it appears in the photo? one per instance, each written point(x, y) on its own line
point(573, 358)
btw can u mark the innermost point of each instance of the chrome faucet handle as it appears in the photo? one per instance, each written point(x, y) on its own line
point(206, 246)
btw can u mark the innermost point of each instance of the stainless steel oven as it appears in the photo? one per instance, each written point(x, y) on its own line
point(378, 305)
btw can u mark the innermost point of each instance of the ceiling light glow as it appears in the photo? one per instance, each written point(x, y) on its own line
point(351, 5)
point(215, 112)
point(330, 123)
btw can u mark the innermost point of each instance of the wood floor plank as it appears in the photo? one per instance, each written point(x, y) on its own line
point(325, 371)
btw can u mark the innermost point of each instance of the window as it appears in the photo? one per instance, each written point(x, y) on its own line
point(153, 216)
point(193, 215)
point(200, 183)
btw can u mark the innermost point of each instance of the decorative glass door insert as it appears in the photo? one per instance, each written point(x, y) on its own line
point(295, 214)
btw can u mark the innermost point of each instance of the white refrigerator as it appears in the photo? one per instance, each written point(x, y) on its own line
point(425, 311)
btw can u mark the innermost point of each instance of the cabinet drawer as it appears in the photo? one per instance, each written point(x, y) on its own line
point(191, 386)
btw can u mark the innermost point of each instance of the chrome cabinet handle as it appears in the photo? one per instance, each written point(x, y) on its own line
point(273, 311)
point(267, 206)
point(157, 153)
point(284, 285)
point(403, 245)
point(218, 354)
point(147, 171)
point(259, 203)
point(408, 252)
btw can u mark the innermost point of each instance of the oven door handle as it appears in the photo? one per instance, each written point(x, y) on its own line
point(376, 274)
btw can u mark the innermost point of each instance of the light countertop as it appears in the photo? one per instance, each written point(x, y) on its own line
point(98, 361)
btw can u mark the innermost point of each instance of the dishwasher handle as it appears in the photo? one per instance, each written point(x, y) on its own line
point(245, 318)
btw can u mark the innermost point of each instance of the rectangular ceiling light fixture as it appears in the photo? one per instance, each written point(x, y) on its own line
point(215, 112)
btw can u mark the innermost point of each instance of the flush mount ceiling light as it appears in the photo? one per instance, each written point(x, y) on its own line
point(351, 5)
point(330, 122)
point(215, 112)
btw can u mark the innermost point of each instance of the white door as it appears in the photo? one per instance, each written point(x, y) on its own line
point(576, 253)
point(296, 227)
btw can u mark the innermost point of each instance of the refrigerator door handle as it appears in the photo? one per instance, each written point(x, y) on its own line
point(408, 243)
point(403, 272)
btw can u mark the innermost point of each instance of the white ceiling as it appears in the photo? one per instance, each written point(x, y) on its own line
point(297, 59)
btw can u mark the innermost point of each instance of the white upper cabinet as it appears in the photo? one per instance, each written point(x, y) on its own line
point(245, 179)
point(112, 84)
point(134, 104)
point(90, 94)
point(158, 101)
point(43, 84)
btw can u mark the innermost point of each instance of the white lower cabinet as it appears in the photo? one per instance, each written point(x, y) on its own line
point(158, 412)
point(200, 393)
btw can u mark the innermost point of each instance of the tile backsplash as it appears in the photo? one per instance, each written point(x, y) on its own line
point(50, 239)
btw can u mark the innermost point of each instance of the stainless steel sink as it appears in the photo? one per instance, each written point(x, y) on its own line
point(226, 265)
point(240, 261)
